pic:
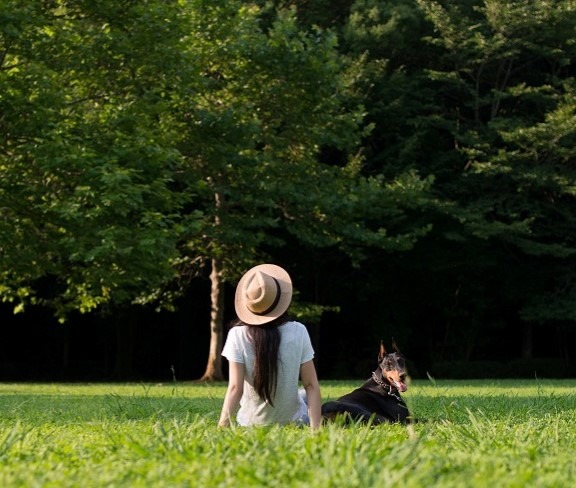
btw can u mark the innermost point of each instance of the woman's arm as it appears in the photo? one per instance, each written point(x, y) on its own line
point(312, 387)
point(233, 393)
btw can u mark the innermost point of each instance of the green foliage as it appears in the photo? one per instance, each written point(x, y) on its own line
point(478, 95)
point(140, 141)
point(478, 433)
point(509, 68)
point(88, 211)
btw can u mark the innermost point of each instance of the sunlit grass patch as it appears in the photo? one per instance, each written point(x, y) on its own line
point(507, 433)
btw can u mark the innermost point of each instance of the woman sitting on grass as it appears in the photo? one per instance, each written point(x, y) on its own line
point(267, 354)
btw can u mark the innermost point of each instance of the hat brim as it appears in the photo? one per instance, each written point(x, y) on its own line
point(283, 278)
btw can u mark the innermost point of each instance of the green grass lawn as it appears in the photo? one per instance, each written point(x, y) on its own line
point(474, 434)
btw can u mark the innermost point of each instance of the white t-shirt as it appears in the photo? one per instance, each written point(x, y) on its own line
point(295, 349)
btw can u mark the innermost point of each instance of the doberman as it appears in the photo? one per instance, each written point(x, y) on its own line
point(378, 400)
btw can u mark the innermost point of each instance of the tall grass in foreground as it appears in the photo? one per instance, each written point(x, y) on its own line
point(472, 434)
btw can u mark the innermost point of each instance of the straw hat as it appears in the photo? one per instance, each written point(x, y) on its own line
point(263, 294)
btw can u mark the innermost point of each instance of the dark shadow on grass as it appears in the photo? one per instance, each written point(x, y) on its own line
point(62, 408)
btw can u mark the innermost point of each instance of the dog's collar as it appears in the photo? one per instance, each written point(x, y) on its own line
point(385, 386)
point(381, 382)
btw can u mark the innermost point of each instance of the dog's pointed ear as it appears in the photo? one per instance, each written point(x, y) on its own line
point(382, 351)
point(395, 346)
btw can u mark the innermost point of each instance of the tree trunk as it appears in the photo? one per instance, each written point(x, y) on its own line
point(214, 366)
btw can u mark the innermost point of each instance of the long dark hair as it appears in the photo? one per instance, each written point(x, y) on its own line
point(266, 341)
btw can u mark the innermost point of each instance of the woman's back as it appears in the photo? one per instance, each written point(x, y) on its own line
point(295, 349)
point(267, 354)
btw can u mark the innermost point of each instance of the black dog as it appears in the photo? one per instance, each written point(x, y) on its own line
point(378, 400)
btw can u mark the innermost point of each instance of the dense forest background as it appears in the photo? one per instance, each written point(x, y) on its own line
point(411, 163)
